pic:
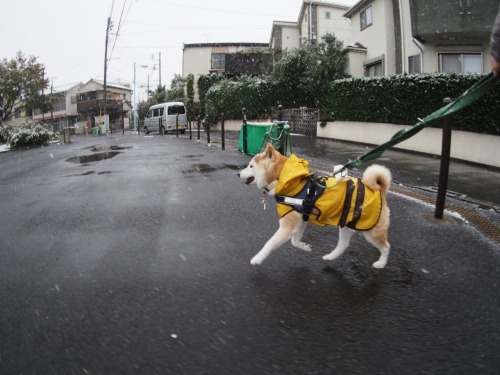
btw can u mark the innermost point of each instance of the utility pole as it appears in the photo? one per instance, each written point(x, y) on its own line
point(108, 27)
point(43, 96)
point(51, 102)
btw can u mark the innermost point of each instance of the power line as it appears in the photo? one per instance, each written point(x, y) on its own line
point(118, 29)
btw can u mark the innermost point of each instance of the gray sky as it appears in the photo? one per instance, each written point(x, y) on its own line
point(68, 36)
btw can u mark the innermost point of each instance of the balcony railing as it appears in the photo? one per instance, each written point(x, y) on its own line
point(98, 104)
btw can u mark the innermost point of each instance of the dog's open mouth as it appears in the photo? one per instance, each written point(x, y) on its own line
point(249, 180)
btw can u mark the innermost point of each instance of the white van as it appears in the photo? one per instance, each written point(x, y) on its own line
point(166, 114)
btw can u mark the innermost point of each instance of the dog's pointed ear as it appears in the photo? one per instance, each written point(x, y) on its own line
point(269, 152)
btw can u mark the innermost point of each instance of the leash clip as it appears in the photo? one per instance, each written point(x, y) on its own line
point(264, 196)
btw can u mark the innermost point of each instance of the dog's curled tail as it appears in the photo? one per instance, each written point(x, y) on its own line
point(377, 177)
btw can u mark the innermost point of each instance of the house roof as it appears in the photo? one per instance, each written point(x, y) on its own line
point(198, 45)
point(356, 47)
point(322, 3)
point(356, 8)
point(108, 85)
point(68, 87)
point(288, 24)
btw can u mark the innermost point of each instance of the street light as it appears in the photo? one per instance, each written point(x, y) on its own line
point(135, 104)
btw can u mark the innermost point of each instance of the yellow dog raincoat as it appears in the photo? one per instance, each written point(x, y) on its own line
point(340, 203)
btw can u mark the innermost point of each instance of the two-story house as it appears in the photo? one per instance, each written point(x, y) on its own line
point(316, 18)
point(64, 110)
point(228, 59)
point(416, 36)
point(90, 103)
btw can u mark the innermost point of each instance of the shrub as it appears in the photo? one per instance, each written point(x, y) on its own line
point(26, 137)
point(399, 99)
point(403, 99)
point(5, 133)
point(230, 97)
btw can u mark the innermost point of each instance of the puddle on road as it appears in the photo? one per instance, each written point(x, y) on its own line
point(103, 152)
point(94, 157)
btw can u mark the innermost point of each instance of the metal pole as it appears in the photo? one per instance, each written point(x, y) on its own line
point(43, 96)
point(245, 134)
point(177, 125)
point(106, 65)
point(223, 133)
point(445, 165)
point(51, 108)
point(135, 106)
point(198, 120)
point(281, 147)
point(208, 134)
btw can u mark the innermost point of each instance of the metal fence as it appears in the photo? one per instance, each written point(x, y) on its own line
point(302, 120)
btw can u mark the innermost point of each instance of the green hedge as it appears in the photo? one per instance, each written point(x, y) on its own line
point(399, 99)
point(402, 99)
point(230, 97)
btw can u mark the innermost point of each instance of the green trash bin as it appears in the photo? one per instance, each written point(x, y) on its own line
point(254, 137)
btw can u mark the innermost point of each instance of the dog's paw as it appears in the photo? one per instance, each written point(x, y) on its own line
point(328, 257)
point(255, 261)
point(379, 265)
point(303, 246)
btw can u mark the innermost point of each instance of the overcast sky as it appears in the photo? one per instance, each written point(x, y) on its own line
point(68, 36)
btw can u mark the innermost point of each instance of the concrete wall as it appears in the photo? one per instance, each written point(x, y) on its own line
point(473, 147)
point(232, 125)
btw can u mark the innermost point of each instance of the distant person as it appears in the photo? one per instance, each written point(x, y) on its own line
point(495, 46)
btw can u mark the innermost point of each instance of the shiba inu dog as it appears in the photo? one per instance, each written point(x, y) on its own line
point(350, 203)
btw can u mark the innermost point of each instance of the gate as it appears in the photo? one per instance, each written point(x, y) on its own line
point(302, 120)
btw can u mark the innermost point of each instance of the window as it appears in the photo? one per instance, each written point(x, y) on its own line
point(366, 17)
point(414, 64)
point(460, 63)
point(59, 104)
point(374, 70)
point(176, 110)
point(328, 15)
point(218, 61)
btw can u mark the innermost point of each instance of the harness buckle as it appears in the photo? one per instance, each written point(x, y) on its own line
point(308, 204)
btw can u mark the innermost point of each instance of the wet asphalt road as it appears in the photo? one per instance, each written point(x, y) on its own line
point(139, 263)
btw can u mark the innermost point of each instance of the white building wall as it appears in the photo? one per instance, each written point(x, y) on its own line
point(336, 24)
point(196, 61)
point(379, 37)
point(355, 66)
point(290, 38)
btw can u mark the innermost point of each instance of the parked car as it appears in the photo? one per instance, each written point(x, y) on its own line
point(166, 117)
